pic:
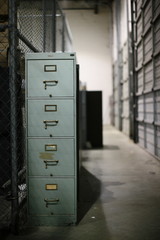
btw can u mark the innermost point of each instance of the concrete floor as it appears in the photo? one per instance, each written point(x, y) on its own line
point(119, 196)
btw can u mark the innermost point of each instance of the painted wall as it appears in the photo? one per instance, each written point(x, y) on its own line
point(92, 41)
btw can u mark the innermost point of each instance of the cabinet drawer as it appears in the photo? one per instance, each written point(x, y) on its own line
point(50, 77)
point(51, 196)
point(47, 118)
point(51, 157)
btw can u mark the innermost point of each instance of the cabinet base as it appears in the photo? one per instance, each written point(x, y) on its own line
point(51, 220)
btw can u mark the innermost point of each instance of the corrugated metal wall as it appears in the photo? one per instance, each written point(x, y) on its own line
point(121, 91)
point(136, 84)
point(125, 91)
point(121, 68)
point(147, 73)
point(116, 101)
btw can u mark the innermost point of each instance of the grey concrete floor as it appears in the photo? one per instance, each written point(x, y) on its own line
point(119, 196)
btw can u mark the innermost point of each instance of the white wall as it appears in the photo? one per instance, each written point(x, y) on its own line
point(92, 41)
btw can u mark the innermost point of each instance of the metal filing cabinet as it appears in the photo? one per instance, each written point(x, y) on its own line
point(51, 138)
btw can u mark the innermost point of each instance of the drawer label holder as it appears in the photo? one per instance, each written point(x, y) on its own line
point(50, 68)
point(50, 108)
point(50, 147)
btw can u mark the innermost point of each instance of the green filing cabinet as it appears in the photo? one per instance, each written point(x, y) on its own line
point(51, 114)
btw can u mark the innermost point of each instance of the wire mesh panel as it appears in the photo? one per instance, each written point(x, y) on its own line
point(139, 82)
point(11, 102)
point(139, 49)
point(116, 94)
point(140, 108)
point(125, 92)
point(5, 149)
point(30, 24)
point(157, 107)
point(158, 141)
point(141, 134)
point(148, 76)
point(42, 26)
point(149, 139)
point(157, 71)
point(147, 15)
point(59, 27)
point(25, 26)
point(139, 27)
point(148, 46)
point(3, 33)
point(149, 108)
point(67, 37)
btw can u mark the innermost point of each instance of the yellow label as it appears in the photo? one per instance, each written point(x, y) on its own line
point(44, 155)
point(51, 186)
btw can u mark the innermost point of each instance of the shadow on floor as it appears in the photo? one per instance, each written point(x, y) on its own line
point(111, 147)
point(89, 192)
point(91, 219)
point(104, 147)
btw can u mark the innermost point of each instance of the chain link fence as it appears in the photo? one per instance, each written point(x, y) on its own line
point(5, 150)
point(25, 26)
point(42, 27)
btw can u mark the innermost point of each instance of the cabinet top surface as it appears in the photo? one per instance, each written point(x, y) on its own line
point(51, 55)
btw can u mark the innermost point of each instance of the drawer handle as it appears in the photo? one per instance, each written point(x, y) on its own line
point(51, 201)
point(50, 83)
point(50, 123)
point(50, 162)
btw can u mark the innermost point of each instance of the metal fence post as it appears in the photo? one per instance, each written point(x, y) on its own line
point(135, 126)
point(12, 81)
point(96, 7)
point(44, 25)
point(63, 34)
point(118, 30)
point(54, 25)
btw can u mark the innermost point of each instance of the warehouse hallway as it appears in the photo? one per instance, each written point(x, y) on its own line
point(119, 196)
